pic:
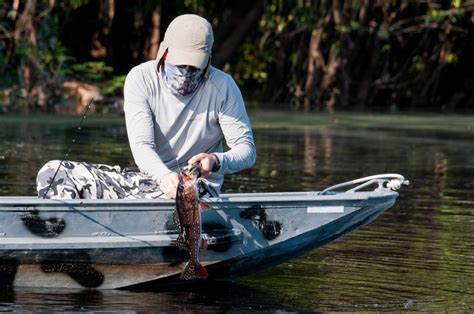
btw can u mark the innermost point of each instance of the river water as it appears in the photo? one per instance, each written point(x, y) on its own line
point(419, 255)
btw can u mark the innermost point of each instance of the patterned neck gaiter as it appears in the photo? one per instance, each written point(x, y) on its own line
point(181, 80)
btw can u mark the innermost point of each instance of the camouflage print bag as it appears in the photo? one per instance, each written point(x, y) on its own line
point(94, 181)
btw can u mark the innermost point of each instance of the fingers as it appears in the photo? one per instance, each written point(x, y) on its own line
point(197, 158)
point(207, 162)
point(169, 184)
point(206, 166)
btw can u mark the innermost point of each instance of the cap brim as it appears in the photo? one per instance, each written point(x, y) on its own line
point(180, 57)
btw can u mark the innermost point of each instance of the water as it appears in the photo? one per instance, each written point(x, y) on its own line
point(419, 255)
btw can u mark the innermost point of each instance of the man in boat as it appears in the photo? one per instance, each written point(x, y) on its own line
point(178, 110)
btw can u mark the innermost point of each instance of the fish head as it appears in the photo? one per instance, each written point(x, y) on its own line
point(188, 182)
point(192, 172)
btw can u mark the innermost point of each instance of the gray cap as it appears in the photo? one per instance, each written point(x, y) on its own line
point(188, 39)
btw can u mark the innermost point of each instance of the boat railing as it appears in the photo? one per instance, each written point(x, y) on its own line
point(390, 181)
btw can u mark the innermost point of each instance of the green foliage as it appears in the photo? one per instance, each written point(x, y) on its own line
point(365, 52)
point(113, 86)
point(99, 74)
point(384, 32)
point(451, 58)
point(418, 63)
point(75, 4)
point(456, 4)
point(395, 49)
point(33, 64)
point(252, 65)
point(92, 71)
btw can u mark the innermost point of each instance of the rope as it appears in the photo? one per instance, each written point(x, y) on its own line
point(396, 184)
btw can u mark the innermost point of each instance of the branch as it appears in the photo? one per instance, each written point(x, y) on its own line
point(469, 7)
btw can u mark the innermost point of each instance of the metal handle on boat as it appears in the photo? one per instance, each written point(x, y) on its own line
point(393, 181)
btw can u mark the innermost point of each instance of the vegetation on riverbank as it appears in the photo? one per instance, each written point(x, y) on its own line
point(278, 119)
point(271, 119)
point(307, 54)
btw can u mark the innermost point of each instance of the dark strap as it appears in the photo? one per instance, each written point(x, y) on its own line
point(131, 169)
point(205, 190)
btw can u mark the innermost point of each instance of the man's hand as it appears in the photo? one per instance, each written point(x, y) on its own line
point(169, 184)
point(207, 162)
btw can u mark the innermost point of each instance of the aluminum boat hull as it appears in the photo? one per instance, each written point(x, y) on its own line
point(108, 244)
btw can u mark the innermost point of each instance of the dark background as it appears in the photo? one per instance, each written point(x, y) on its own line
point(304, 55)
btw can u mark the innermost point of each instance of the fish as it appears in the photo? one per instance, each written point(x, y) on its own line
point(187, 216)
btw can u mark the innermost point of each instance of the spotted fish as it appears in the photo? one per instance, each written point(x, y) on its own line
point(188, 218)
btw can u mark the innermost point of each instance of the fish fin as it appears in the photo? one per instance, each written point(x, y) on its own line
point(181, 242)
point(176, 219)
point(201, 271)
point(194, 270)
point(204, 206)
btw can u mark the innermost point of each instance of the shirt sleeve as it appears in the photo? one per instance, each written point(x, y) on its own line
point(237, 130)
point(140, 126)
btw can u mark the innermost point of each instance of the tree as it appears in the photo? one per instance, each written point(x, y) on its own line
point(33, 56)
point(347, 54)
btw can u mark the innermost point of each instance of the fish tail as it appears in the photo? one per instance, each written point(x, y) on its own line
point(194, 270)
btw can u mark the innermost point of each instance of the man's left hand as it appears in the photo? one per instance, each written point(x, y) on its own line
point(207, 162)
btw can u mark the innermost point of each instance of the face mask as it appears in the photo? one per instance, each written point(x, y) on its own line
point(181, 80)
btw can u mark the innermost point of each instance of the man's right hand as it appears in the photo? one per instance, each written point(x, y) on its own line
point(169, 184)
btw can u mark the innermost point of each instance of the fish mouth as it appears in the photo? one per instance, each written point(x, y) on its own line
point(193, 169)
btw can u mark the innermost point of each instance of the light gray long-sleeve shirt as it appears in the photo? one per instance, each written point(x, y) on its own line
point(165, 131)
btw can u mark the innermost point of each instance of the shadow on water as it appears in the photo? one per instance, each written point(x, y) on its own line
point(221, 297)
point(416, 256)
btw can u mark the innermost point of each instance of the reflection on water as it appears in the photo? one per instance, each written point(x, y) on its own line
point(418, 255)
point(221, 297)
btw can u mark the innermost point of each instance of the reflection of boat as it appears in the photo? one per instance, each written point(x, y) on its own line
point(124, 243)
point(218, 297)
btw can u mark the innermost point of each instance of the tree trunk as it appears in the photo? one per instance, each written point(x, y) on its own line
point(315, 64)
point(100, 37)
point(33, 86)
point(327, 81)
point(24, 26)
point(153, 41)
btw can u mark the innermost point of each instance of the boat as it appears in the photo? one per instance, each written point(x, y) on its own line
point(123, 243)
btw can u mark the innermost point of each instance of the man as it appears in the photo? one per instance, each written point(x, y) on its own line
point(178, 110)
